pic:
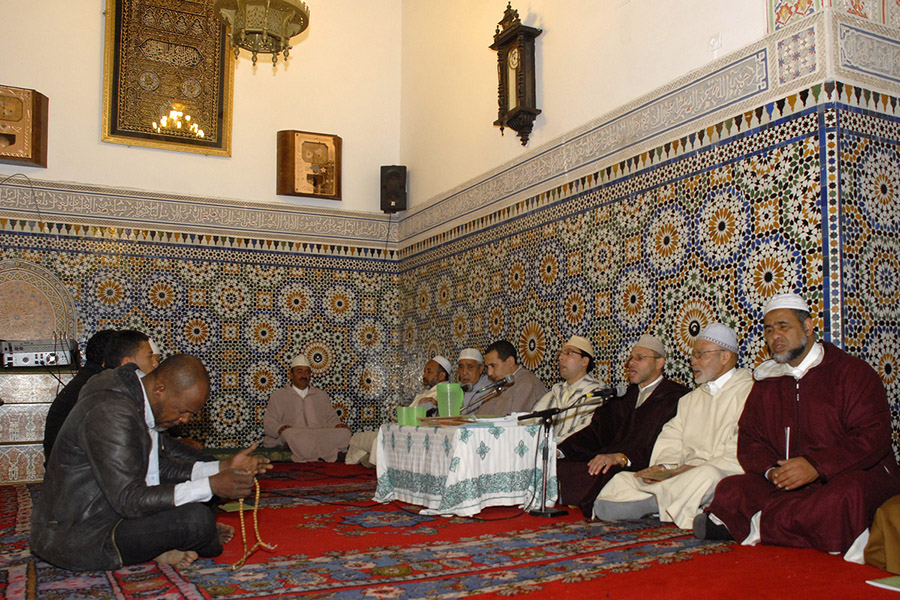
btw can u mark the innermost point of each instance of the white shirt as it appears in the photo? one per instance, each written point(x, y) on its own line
point(195, 490)
point(717, 384)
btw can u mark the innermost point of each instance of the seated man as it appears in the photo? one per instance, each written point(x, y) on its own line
point(130, 346)
point(815, 442)
point(696, 449)
point(437, 370)
point(362, 443)
point(470, 374)
point(113, 495)
point(67, 397)
point(519, 396)
point(576, 361)
point(302, 417)
point(622, 432)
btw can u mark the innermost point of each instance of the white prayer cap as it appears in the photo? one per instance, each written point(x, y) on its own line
point(651, 342)
point(300, 361)
point(471, 354)
point(445, 364)
point(154, 349)
point(792, 301)
point(720, 335)
point(583, 344)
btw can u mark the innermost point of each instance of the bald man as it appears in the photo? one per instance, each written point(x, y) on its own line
point(114, 495)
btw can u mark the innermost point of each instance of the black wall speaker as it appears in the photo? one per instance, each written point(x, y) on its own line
point(393, 188)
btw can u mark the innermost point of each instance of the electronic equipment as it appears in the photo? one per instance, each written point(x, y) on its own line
point(38, 353)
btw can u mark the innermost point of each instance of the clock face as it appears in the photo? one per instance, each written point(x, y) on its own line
point(513, 58)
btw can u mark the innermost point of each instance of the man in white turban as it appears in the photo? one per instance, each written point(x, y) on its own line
point(815, 442)
point(302, 417)
point(696, 449)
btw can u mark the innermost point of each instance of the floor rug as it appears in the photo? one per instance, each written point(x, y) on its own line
point(334, 542)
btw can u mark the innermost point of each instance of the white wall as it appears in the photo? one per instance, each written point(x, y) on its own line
point(343, 78)
point(401, 81)
point(592, 57)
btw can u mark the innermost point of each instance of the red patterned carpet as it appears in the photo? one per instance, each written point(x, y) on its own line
point(334, 542)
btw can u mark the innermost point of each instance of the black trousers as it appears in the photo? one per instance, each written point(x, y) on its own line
point(186, 527)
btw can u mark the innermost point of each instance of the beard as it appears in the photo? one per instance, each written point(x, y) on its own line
point(789, 355)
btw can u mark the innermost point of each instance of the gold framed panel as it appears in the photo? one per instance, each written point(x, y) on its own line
point(162, 55)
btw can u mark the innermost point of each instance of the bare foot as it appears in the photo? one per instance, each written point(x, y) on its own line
point(177, 558)
point(226, 533)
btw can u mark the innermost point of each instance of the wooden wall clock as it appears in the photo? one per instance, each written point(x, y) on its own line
point(516, 98)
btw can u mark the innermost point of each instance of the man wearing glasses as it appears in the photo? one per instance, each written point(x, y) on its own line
point(575, 361)
point(696, 449)
point(621, 433)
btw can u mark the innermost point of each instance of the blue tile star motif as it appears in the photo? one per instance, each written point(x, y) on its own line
point(427, 443)
point(393, 441)
point(454, 464)
point(482, 450)
point(464, 436)
point(521, 449)
point(447, 446)
point(408, 443)
point(496, 432)
point(532, 429)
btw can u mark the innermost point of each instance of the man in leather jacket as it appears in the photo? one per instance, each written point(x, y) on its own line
point(116, 492)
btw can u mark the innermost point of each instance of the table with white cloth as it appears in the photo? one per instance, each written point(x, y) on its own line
point(461, 470)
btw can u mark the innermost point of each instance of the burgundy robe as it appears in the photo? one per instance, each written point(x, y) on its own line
point(840, 422)
point(617, 426)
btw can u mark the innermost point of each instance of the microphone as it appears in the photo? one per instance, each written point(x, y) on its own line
point(608, 393)
point(466, 387)
point(508, 380)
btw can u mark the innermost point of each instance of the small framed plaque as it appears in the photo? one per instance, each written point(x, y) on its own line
point(23, 126)
point(309, 164)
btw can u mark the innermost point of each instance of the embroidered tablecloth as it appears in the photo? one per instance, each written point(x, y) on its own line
point(461, 470)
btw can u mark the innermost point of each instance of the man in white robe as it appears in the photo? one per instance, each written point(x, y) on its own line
point(576, 361)
point(696, 449)
point(471, 376)
point(301, 416)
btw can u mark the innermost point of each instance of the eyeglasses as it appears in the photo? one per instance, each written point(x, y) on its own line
point(699, 355)
point(640, 357)
point(570, 353)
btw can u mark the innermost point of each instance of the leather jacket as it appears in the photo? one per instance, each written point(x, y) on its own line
point(96, 476)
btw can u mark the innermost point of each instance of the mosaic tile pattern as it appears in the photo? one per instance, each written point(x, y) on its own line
point(870, 234)
point(706, 237)
point(244, 313)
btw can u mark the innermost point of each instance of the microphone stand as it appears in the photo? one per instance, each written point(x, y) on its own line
point(546, 416)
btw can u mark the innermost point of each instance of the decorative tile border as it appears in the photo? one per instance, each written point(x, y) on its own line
point(185, 215)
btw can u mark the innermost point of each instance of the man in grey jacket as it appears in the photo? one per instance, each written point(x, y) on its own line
point(116, 492)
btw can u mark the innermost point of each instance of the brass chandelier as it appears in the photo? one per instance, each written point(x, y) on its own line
point(263, 26)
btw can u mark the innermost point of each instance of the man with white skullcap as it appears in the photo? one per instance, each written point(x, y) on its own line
point(471, 376)
point(622, 431)
point(301, 416)
point(696, 449)
point(437, 370)
point(575, 361)
point(815, 442)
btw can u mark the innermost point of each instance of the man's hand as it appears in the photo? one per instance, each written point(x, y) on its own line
point(793, 473)
point(243, 461)
point(604, 462)
point(231, 484)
